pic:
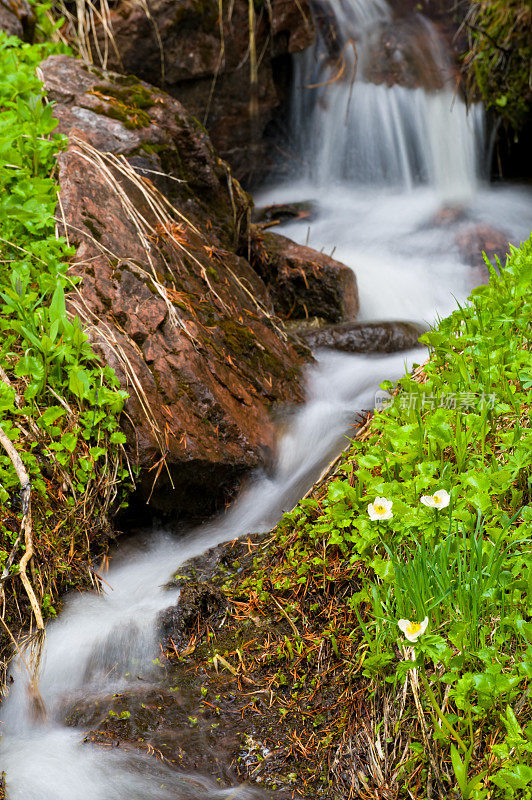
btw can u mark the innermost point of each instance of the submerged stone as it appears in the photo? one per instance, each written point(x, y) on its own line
point(365, 337)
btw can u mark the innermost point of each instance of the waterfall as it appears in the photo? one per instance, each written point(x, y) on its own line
point(355, 125)
point(392, 160)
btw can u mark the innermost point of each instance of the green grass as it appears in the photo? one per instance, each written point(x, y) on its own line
point(346, 580)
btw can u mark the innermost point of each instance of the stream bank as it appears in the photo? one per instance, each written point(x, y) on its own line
point(335, 692)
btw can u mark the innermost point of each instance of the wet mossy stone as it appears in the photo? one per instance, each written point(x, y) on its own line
point(199, 602)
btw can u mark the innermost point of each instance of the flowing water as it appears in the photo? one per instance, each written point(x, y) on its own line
point(380, 163)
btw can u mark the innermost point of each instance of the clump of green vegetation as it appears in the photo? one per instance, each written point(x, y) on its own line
point(403, 653)
point(59, 406)
point(499, 58)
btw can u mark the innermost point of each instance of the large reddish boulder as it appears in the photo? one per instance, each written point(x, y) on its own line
point(183, 319)
point(204, 61)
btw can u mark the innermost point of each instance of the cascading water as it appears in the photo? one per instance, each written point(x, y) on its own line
point(392, 160)
point(379, 162)
point(355, 130)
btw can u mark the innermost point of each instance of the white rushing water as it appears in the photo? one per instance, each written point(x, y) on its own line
point(380, 164)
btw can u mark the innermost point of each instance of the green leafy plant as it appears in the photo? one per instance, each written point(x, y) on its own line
point(59, 405)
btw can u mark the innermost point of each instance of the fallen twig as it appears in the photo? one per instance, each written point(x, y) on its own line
point(25, 525)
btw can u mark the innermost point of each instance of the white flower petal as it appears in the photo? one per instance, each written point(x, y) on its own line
point(413, 630)
point(380, 509)
point(427, 500)
point(441, 498)
point(383, 502)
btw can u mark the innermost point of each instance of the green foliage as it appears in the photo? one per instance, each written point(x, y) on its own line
point(462, 424)
point(57, 385)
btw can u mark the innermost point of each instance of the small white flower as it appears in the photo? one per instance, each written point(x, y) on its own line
point(413, 630)
point(439, 499)
point(381, 508)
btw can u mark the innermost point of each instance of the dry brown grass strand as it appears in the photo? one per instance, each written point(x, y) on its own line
point(111, 168)
point(219, 63)
point(99, 330)
point(32, 643)
point(93, 45)
point(81, 32)
point(145, 7)
point(26, 523)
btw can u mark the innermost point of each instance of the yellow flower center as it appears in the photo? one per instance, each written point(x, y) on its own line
point(414, 627)
point(436, 499)
point(379, 508)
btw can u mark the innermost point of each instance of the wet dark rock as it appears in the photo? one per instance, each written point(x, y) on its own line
point(199, 603)
point(365, 337)
point(17, 19)
point(285, 212)
point(196, 719)
point(210, 566)
point(172, 722)
point(449, 215)
point(404, 50)
point(405, 54)
point(476, 239)
point(179, 47)
point(180, 315)
point(302, 282)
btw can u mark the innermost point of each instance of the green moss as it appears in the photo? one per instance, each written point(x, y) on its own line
point(498, 61)
point(242, 342)
point(198, 124)
point(151, 149)
point(134, 96)
point(97, 72)
point(239, 339)
point(127, 105)
point(130, 119)
point(126, 80)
